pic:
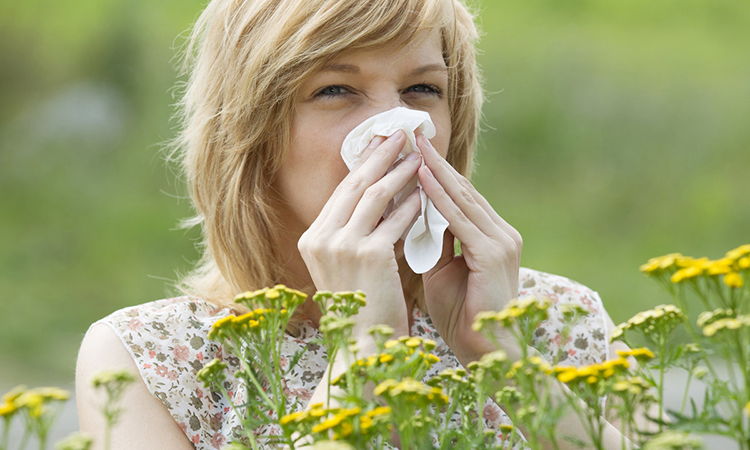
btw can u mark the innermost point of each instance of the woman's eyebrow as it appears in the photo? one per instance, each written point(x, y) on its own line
point(429, 68)
point(345, 68)
point(352, 69)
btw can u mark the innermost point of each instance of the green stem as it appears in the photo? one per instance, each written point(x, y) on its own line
point(480, 412)
point(236, 350)
point(43, 441)
point(685, 395)
point(25, 439)
point(662, 351)
point(6, 433)
point(107, 434)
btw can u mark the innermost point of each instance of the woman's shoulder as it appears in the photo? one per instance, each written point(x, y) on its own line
point(157, 315)
point(579, 342)
point(558, 289)
point(167, 341)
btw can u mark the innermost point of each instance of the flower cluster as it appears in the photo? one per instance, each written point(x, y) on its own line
point(277, 298)
point(34, 401)
point(252, 322)
point(408, 356)
point(39, 408)
point(529, 308)
point(654, 323)
point(681, 268)
point(592, 374)
point(212, 374)
point(76, 441)
point(640, 354)
point(727, 323)
point(631, 385)
point(337, 423)
point(342, 304)
point(709, 317)
point(411, 391)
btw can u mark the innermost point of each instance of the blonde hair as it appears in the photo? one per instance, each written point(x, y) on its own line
point(246, 60)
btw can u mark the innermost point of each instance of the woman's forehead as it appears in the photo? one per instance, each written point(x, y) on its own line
point(424, 53)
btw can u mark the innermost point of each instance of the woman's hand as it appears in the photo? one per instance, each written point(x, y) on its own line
point(349, 247)
point(485, 276)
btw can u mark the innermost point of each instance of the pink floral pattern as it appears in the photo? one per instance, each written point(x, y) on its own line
point(167, 339)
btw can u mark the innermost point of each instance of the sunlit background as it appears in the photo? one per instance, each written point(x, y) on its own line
point(614, 131)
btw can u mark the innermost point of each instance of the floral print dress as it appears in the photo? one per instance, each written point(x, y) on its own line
point(167, 340)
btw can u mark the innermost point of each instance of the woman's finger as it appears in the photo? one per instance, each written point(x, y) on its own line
point(374, 143)
point(392, 227)
point(376, 198)
point(464, 193)
point(458, 223)
point(338, 209)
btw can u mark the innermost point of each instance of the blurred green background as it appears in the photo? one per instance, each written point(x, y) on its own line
point(614, 131)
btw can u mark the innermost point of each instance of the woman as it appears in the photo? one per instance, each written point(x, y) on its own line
point(275, 86)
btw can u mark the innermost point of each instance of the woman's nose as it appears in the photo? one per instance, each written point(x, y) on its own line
point(386, 104)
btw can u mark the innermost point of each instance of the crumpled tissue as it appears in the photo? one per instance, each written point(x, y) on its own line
point(423, 244)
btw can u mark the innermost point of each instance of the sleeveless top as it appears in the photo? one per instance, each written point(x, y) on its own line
point(167, 340)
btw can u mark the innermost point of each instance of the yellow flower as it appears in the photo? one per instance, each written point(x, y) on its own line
point(621, 385)
point(412, 391)
point(221, 327)
point(379, 411)
point(688, 261)
point(513, 310)
point(708, 317)
point(33, 403)
point(293, 417)
point(660, 263)
point(14, 393)
point(327, 424)
point(592, 373)
point(567, 375)
point(739, 252)
point(729, 323)
point(278, 297)
point(661, 319)
point(744, 263)
point(385, 358)
point(413, 342)
point(618, 331)
point(53, 393)
point(7, 409)
point(720, 266)
point(640, 354)
point(687, 273)
point(734, 280)
point(747, 408)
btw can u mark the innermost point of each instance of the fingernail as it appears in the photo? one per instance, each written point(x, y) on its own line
point(397, 136)
point(377, 140)
point(413, 156)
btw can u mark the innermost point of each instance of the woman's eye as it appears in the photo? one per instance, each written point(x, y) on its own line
point(428, 89)
point(332, 91)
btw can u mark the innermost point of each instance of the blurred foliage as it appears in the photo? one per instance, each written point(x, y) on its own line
point(613, 132)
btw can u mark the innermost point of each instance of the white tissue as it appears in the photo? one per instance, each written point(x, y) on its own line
point(423, 244)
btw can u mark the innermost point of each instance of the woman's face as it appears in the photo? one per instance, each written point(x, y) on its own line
point(353, 87)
